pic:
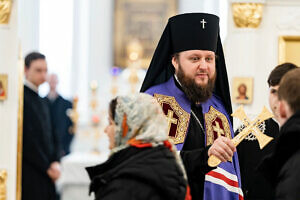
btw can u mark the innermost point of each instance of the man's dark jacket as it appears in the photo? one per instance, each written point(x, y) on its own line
point(254, 184)
point(40, 148)
point(61, 122)
point(282, 167)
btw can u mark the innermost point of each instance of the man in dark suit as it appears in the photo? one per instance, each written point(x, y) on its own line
point(61, 121)
point(254, 184)
point(40, 166)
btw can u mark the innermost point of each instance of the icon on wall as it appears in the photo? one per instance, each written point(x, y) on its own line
point(242, 90)
point(142, 20)
point(3, 86)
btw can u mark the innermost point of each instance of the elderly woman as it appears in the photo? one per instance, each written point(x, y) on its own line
point(143, 164)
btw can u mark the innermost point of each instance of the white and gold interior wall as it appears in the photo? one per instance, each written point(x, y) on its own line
point(253, 52)
point(9, 66)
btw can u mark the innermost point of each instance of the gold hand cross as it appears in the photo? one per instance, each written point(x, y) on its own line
point(251, 126)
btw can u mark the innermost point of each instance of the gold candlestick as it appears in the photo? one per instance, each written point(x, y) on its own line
point(115, 71)
point(134, 51)
point(74, 116)
point(95, 119)
point(94, 101)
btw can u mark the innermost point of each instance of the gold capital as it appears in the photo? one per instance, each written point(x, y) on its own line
point(247, 15)
point(5, 10)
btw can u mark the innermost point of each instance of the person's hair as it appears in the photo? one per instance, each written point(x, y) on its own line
point(32, 57)
point(289, 89)
point(278, 72)
point(112, 108)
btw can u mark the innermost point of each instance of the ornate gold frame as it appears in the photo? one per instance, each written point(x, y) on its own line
point(288, 49)
point(4, 82)
point(20, 128)
point(142, 21)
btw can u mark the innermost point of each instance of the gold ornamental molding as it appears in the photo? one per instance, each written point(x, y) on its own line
point(3, 179)
point(20, 123)
point(5, 11)
point(247, 15)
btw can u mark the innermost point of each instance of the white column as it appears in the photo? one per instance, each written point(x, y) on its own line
point(56, 39)
point(188, 6)
point(207, 6)
point(80, 57)
point(29, 20)
point(211, 6)
point(9, 108)
point(101, 47)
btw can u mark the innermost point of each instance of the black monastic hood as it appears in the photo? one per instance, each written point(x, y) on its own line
point(192, 31)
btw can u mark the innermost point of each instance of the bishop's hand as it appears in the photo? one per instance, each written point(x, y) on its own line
point(222, 148)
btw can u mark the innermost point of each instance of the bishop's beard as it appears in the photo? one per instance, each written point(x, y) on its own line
point(194, 92)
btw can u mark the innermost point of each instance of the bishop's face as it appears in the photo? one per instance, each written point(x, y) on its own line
point(198, 65)
point(196, 72)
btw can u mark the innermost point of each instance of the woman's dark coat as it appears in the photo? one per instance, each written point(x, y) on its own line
point(138, 173)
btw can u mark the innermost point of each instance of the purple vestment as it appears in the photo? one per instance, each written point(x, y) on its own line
point(223, 182)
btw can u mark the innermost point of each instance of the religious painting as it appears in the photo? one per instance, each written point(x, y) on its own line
point(288, 49)
point(242, 90)
point(3, 86)
point(137, 29)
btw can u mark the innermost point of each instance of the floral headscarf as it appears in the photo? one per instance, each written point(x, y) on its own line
point(140, 122)
point(139, 118)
